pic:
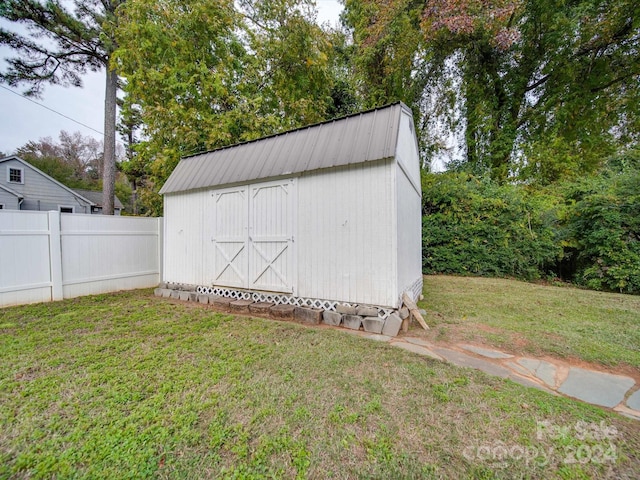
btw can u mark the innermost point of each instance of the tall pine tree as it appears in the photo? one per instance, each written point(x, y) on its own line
point(58, 48)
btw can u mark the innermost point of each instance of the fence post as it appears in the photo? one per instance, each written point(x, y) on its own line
point(55, 256)
point(161, 249)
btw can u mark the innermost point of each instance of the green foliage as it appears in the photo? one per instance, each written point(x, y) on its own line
point(539, 90)
point(605, 227)
point(586, 231)
point(477, 227)
point(219, 73)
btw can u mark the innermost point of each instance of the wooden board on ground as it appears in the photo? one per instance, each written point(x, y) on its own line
point(414, 311)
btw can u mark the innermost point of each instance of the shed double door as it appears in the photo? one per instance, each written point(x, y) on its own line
point(253, 236)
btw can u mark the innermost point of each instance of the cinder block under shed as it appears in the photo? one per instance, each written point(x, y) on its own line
point(392, 325)
point(365, 311)
point(222, 303)
point(352, 321)
point(260, 308)
point(308, 315)
point(240, 306)
point(282, 311)
point(373, 324)
point(346, 309)
point(331, 318)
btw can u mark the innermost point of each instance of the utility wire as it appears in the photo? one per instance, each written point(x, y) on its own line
point(50, 109)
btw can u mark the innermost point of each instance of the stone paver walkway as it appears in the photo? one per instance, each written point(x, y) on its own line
point(618, 392)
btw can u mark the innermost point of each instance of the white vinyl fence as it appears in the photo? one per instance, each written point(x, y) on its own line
point(47, 256)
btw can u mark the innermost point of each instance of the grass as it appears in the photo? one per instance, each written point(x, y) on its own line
point(595, 327)
point(132, 386)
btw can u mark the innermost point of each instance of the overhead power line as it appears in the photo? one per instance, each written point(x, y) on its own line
point(51, 109)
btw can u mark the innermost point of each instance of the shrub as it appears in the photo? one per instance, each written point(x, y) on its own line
point(474, 226)
point(604, 221)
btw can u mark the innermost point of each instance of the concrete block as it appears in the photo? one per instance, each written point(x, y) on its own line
point(331, 318)
point(218, 302)
point(193, 296)
point(158, 292)
point(352, 321)
point(346, 309)
point(403, 313)
point(308, 315)
point(166, 292)
point(392, 325)
point(373, 324)
point(282, 311)
point(184, 296)
point(260, 308)
point(175, 294)
point(240, 306)
point(203, 299)
point(367, 311)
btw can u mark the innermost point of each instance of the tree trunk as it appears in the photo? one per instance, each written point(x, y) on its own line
point(109, 176)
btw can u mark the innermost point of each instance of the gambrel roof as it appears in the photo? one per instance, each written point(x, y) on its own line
point(362, 137)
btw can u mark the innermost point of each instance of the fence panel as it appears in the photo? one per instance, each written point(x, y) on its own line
point(25, 273)
point(108, 253)
point(48, 256)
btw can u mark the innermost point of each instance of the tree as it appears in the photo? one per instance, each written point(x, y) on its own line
point(74, 161)
point(542, 89)
point(182, 64)
point(290, 66)
point(61, 46)
point(206, 75)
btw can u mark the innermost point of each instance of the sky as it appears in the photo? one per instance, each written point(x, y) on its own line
point(22, 120)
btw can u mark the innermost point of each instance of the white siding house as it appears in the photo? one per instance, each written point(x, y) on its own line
point(330, 212)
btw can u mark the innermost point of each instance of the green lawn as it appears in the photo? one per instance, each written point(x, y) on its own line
point(564, 322)
point(129, 386)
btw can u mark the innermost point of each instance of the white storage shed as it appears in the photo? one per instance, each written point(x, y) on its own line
point(328, 212)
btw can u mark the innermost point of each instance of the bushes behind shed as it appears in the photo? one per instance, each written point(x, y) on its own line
point(585, 231)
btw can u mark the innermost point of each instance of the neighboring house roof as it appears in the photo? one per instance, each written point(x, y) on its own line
point(28, 165)
point(363, 137)
point(7, 189)
point(96, 197)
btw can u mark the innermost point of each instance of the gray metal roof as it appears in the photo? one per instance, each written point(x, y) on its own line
point(363, 137)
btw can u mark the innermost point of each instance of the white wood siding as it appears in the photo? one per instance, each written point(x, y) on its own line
point(230, 236)
point(187, 216)
point(239, 237)
point(409, 207)
point(271, 236)
point(346, 237)
point(407, 151)
point(409, 234)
